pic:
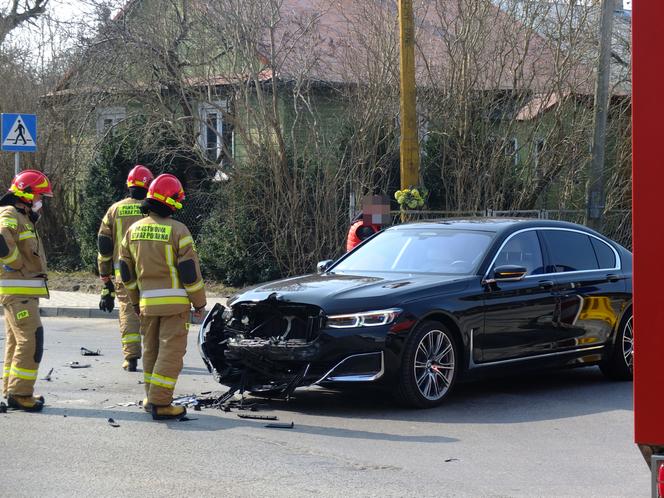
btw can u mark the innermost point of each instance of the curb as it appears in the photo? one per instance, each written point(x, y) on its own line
point(77, 313)
point(52, 312)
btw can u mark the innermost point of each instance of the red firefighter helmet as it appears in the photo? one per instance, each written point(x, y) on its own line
point(139, 176)
point(29, 183)
point(167, 189)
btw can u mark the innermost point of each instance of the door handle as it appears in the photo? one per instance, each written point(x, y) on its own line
point(612, 277)
point(546, 284)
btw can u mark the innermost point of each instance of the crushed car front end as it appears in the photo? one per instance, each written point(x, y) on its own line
point(275, 345)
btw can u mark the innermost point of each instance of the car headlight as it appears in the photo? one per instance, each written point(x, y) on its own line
point(364, 319)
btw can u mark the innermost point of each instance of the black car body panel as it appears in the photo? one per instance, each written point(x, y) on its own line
point(278, 335)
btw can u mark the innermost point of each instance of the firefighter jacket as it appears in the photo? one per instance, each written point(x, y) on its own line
point(22, 257)
point(119, 217)
point(159, 267)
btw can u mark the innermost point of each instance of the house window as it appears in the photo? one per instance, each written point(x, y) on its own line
point(108, 117)
point(215, 134)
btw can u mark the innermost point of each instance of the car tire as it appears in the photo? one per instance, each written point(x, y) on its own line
point(429, 366)
point(620, 364)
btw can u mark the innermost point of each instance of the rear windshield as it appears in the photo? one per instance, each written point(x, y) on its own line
point(456, 252)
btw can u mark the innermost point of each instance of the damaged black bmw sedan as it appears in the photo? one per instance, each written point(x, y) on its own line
point(420, 306)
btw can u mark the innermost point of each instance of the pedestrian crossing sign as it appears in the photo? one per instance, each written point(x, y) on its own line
point(19, 132)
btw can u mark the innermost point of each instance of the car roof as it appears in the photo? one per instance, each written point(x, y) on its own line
point(496, 225)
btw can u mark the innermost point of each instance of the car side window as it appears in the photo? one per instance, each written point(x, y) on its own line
point(522, 250)
point(570, 251)
point(605, 255)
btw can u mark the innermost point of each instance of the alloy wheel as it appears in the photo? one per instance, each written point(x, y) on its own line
point(434, 365)
point(628, 343)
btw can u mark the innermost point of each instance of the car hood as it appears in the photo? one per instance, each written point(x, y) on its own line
point(340, 293)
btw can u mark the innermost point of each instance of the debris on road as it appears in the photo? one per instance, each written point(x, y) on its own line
point(88, 352)
point(75, 364)
point(451, 460)
point(280, 426)
point(48, 376)
point(257, 417)
point(184, 418)
point(113, 423)
point(130, 403)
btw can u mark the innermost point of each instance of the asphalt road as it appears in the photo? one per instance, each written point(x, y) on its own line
point(558, 434)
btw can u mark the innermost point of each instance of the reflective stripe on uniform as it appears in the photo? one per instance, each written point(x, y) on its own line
point(193, 288)
point(9, 223)
point(23, 373)
point(131, 286)
point(5, 372)
point(11, 258)
point(28, 234)
point(185, 241)
point(170, 257)
point(23, 287)
point(104, 258)
point(164, 293)
point(155, 301)
point(164, 296)
point(147, 377)
point(130, 338)
point(163, 381)
point(118, 230)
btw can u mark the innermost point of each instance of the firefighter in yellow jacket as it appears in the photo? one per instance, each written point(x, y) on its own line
point(119, 217)
point(159, 267)
point(22, 283)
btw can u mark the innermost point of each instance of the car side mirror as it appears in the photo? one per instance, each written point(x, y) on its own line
point(322, 266)
point(509, 273)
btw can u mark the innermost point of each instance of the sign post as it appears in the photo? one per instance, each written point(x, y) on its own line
point(19, 134)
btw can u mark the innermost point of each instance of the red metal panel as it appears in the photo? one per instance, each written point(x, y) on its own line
point(648, 203)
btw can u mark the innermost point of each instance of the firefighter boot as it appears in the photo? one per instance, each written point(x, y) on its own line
point(130, 365)
point(168, 412)
point(147, 406)
point(25, 403)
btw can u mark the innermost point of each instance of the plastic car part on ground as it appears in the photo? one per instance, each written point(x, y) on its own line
point(88, 352)
point(75, 364)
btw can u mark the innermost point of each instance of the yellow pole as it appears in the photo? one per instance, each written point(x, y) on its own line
point(410, 148)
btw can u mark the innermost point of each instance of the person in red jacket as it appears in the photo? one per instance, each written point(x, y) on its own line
point(369, 221)
point(359, 231)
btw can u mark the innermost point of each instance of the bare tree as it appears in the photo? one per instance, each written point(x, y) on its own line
point(19, 12)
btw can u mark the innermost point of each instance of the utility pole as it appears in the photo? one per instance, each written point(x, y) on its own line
point(595, 200)
point(409, 143)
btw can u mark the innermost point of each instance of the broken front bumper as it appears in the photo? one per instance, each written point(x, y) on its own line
point(277, 364)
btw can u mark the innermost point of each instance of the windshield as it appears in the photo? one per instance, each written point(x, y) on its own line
point(424, 250)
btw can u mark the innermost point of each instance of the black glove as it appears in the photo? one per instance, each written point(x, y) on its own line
point(107, 301)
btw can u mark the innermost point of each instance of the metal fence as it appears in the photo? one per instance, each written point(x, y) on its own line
point(195, 210)
point(617, 223)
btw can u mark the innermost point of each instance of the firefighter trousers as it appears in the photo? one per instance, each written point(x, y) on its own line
point(164, 347)
point(24, 345)
point(130, 325)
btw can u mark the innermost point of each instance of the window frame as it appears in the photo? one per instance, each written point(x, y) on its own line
point(543, 252)
point(116, 114)
point(205, 109)
point(547, 256)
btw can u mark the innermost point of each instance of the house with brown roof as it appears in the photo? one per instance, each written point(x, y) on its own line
point(227, 77)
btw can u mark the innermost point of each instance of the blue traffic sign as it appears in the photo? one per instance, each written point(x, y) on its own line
point(19, 132)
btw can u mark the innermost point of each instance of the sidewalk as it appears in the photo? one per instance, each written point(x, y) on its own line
point(82, 305)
